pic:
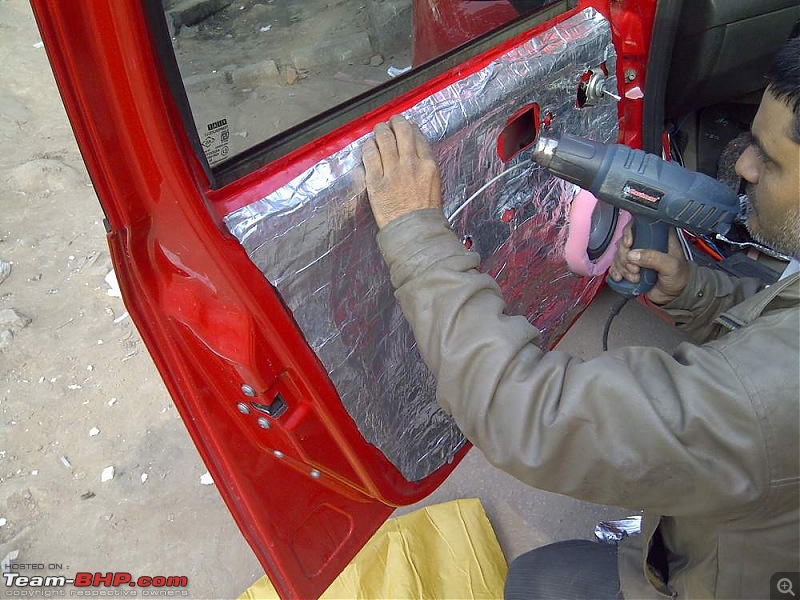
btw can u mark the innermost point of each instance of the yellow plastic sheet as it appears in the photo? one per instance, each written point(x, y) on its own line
point(443, 551)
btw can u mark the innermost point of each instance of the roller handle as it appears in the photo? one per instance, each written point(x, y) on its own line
point(647, 234)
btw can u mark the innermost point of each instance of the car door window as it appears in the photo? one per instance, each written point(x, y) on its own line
point(253, 70)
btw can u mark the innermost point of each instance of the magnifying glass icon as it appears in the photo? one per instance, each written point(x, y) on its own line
point(784, 586)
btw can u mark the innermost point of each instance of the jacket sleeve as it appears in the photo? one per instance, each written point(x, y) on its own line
point(627, 428)
point(708, 294)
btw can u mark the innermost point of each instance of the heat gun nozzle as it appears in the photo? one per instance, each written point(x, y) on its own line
point(543, 150)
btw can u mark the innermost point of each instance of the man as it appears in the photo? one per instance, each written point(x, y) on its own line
point(704, 439)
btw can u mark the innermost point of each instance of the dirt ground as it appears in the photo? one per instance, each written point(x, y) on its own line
point(79, 394)
point(78, 390)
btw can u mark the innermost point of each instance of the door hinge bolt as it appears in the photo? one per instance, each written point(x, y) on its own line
point(630, 75)
point(248, 390)
point(263, 423)
point(243, 408)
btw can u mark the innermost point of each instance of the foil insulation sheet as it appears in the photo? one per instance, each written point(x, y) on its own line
point(616, 531)
point(314, 239)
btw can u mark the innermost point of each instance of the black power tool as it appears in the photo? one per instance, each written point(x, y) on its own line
point(659, 194)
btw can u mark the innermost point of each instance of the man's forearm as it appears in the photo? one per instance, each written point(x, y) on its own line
point(437, 284)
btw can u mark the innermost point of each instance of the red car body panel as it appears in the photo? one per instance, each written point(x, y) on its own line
point(441, 25)
point(210, 320)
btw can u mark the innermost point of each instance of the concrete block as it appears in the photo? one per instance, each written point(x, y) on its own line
point(290, 75)
point(254, 75)
point(352, 48)
point(202, 81)
point(390, 25)
point(190, 12)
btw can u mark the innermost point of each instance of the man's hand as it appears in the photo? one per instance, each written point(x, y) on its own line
point(402, 174)
point(672, 268)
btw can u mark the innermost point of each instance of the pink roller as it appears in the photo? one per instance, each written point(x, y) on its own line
point(580, 226)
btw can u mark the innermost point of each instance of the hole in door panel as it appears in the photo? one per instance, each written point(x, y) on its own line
point(519, 133)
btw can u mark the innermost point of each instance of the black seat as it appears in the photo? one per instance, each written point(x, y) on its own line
point(723, 48)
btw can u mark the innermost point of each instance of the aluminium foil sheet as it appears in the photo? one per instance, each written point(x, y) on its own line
point(314, 239)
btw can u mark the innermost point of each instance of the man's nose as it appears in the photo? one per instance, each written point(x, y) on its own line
point(747, 166)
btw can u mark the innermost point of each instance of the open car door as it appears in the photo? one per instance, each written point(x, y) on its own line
point(225, 149)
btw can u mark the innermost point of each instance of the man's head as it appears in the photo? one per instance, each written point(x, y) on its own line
point(771, 164)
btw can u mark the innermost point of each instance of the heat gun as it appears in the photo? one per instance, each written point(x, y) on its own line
point(658, 194)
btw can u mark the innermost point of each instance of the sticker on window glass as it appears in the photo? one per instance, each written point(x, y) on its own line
point(216, 141)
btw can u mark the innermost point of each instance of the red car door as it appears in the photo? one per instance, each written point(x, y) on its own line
point(248, 262)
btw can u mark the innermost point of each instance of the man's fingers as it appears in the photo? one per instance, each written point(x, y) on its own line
point(424, 149)
point(404, 133)
point(627, 235)
point(387, 144)
point(621, 266)
point(674, 247)
point(653, 259)
point(626, 270)
point(632, 268)
point(372, 160)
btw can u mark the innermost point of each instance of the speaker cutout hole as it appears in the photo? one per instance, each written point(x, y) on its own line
point(519, 133)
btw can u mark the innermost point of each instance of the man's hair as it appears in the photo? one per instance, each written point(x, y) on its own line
point(783, 80)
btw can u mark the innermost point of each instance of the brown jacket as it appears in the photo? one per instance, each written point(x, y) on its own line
point(704, 439)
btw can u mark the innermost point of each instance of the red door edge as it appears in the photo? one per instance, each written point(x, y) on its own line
point(150, 183)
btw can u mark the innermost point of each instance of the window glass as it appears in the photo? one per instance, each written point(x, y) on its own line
point(254, 68)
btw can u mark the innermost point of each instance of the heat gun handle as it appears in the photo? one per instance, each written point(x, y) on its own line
point(647, 234)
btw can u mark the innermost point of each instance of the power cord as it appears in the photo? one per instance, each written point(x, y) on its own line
point(615, 309)
point(466, 203)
